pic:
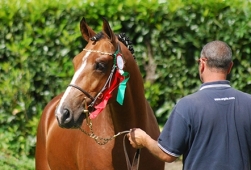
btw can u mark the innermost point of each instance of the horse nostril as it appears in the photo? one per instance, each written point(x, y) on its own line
point(66, 116)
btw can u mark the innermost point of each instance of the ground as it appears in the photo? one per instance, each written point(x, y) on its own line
point(177, 165)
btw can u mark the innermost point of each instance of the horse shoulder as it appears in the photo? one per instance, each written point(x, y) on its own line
point(46, 120)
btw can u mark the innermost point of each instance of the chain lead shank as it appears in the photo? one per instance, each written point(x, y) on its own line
point(91, 134)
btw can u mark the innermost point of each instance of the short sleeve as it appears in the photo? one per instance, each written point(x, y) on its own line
point(175, 135)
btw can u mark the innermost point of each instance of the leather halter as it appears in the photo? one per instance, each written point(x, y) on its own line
point(83, 91)
point(108, 81)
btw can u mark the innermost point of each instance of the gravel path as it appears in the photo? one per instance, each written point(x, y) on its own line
point(177, 165)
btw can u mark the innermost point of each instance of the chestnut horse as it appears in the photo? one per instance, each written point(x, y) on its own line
point(105, 97)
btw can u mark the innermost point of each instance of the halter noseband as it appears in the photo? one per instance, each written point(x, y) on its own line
point(83, 91)
point(108, 81)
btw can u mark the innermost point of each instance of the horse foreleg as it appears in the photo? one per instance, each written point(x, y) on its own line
point(40, 155)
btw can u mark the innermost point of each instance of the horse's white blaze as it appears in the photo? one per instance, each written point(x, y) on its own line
point(69, 88)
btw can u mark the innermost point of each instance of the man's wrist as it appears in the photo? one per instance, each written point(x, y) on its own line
point(147, 140)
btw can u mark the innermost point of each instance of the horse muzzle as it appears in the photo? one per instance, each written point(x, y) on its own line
point(67, 119)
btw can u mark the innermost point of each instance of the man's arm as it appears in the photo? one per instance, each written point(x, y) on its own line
point(139, 139)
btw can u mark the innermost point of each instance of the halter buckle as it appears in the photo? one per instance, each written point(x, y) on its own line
point(86, 112)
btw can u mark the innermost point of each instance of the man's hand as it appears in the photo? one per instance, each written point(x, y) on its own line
point(137, 137)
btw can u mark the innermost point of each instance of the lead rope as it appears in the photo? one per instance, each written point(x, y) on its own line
point(103, 141)
point(136, 158)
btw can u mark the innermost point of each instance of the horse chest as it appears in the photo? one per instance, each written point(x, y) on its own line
point(93, 156)
point(71, 149)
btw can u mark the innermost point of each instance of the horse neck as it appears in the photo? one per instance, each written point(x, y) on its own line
point(135, 109)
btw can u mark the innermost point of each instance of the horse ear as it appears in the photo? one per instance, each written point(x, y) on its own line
point(107, 29)
point(86, 31)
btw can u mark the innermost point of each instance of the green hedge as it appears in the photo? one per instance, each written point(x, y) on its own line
point(38, 40)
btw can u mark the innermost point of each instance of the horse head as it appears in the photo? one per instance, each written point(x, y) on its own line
point(99, 69)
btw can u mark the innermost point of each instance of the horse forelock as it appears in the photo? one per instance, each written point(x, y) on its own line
point(121, 37)
point(97, 37)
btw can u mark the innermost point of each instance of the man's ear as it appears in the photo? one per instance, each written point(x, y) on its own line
point(230, 67)
point(202, 66)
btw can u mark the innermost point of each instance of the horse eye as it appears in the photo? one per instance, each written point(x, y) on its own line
point(100, 66)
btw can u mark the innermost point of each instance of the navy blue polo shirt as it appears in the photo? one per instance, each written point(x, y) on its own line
point(211, 129)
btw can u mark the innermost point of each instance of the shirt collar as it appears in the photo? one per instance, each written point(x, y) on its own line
point(215, 84)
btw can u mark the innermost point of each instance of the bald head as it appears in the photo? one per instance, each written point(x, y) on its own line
point(218, 55)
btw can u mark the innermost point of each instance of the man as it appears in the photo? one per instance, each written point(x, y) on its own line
point(210, 128)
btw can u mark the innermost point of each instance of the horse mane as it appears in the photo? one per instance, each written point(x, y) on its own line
point(121, 37)
point(127, 42)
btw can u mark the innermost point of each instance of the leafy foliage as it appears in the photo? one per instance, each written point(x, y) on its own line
point(38, 40)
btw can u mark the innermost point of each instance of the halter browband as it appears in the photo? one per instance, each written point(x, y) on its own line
point(100, 52)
